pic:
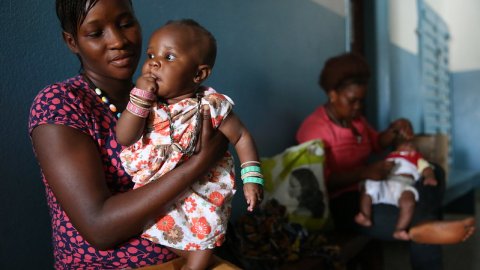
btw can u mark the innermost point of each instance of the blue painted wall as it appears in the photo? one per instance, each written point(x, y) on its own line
point(466, 117)
point(406, 102)
point(405, 96)
point(270, 53)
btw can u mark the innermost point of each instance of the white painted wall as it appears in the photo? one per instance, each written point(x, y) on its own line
point(461, 17)
point(403, 22)
point(463, 21)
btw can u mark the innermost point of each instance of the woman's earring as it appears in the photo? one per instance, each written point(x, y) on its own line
point(332, 96)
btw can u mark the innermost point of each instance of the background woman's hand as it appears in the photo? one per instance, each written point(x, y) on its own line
point(378, 170)
point(403, 128)
point(398, 129)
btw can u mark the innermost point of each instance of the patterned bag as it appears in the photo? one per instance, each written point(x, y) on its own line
point(294, 178)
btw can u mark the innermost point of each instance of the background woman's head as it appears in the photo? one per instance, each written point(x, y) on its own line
point(105, 35)
point(345, 79)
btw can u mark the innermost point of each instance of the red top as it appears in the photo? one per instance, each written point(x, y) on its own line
point(74, 104)
point(410, 156)
point(344, 151)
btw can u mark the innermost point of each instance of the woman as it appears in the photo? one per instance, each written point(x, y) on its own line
point(349, 143)
point(96, 216)
point(348, 138)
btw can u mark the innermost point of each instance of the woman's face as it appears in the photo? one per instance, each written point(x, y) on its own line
point(295, 189)
point(347, 103)
point(109, 40)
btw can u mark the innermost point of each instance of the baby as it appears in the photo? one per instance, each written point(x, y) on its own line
point(398, 189)
point(160, 128)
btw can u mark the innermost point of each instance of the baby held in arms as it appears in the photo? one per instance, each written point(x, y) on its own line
point(160, 130)
point(398, 189)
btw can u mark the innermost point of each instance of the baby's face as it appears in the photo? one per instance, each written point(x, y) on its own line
point(406, 146)
point(173, 58)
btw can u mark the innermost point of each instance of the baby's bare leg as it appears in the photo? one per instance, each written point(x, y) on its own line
point(196, 260)
point(406, 204)
point(363, 218)
point(443, 232)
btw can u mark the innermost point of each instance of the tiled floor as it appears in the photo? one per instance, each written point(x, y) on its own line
point(463, 256)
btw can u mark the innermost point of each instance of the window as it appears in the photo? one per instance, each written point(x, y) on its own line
point(433, 36)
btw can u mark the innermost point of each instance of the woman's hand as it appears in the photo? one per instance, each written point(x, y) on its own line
point(400, 128)
point(403, 128)
point(211, 145)
point(378, 170)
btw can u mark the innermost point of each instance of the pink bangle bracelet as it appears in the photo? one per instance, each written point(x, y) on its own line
point(143, 94)
point(137, 110)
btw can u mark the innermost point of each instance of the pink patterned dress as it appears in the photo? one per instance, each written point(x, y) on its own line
point(199, 219)
point(73, 103)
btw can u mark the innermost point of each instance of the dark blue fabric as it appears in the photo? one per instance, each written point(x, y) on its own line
point(384, 218)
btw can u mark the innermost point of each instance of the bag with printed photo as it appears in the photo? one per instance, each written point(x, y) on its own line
point(295, 179)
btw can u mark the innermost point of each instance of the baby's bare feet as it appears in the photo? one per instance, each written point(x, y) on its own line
point(443, 232)
point(430, 182)
point(363, 220)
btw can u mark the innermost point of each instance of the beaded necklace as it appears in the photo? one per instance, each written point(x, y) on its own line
point(344, 124)
point(103, 96)
point(176, 146)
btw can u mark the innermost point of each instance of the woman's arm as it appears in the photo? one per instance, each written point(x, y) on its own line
point(74, 170)
point(375, 171)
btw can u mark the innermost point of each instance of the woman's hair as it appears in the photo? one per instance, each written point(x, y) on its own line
point(311, 197)
point(343, 70)
point(71, 13)
point(211, 54)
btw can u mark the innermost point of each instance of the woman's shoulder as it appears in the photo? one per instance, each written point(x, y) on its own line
point(57, 102)
point(313, 126)
point(318, 116)
point(61, 88)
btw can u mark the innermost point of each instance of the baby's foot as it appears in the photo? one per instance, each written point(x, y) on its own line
point(401, 234)
point(430, 182)
point(363, 220)
point(443, 232)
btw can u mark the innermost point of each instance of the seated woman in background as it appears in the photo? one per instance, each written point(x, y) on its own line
point(349, 143)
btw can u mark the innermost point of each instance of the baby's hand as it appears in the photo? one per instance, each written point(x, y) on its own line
point(429, 181)
point(253, 194)
point(147, 82)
